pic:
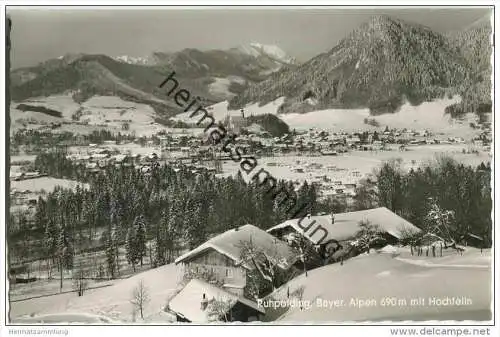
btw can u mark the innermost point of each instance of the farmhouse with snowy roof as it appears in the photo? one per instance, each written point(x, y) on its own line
point(201, 302)
point(222, 256)
point(342, 227)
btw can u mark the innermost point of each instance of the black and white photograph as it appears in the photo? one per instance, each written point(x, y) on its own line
point(249, 165)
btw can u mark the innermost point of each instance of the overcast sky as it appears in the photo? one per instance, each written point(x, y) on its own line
point(38, 35)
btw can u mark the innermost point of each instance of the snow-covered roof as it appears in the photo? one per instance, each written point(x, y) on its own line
point(229, 244)
point(99, 155)
point(389, 249)
point(347, 224)
point(82, 157)
point(120, 157)
point(188, 301)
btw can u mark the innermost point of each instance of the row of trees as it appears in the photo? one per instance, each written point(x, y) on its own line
point(36, 138)
point(442, 184)
point(163, 211)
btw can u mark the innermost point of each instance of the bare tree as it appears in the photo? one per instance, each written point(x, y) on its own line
point(267, 263)
point(48, 265)
point(410, 236)
point(439, 222)
point(367, 235)
point(306, 252)
point(366, 194)
point(80, 283)
point(299, 242)
point(140, 297)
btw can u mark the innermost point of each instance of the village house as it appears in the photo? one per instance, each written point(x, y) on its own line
point(221, 255)
point(109, 142)
point(337, 229)
point(326, 152)
point(378, 144)
point(200, 302)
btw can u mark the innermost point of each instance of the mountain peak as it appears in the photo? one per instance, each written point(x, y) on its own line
point(378, 66)
point(381, 19)
point(133, 59)
point(272, 51)
point(386, 24)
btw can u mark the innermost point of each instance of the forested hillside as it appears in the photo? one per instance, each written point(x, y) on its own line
point(379, 66)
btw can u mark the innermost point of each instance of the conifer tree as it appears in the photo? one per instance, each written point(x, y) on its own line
point(140, 238)
point(195, 230)
point(51, 239)
point(111, 248)
point(131, 248)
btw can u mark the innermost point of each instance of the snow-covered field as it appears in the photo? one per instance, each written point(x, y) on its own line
point(362, 289)
point(220, 111)
point(22, 159)
point(428, 115)
point(113, 301)
point(46, 287)
point(100, 109)
point(471, 257)
point(110, 112)
point(32, 118)
point(220, 86)
point(63, 103)
point(342, 167)
point(131, 149)
point(89, 262)
point(113, 112)
point(46, 184)
point(372, 278)
point(74, 318)
point(378, 287)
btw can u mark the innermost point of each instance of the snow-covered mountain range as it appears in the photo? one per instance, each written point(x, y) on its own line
point(252, 49)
